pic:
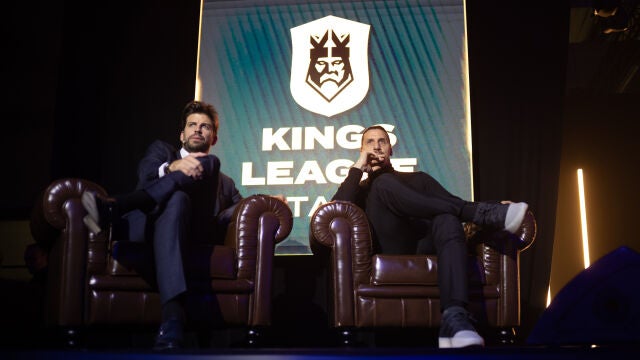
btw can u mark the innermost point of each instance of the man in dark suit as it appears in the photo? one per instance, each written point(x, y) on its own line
point(181, 194)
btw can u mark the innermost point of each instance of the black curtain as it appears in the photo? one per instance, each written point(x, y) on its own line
point(88, 86)
point(517, 57)
point(127, 69)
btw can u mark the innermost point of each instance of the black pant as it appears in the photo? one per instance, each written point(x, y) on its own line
point(413, 213)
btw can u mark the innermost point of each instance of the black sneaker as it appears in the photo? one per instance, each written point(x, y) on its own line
point(170, 335)
point(456, 330)
point(100, 211)
point(507, 217)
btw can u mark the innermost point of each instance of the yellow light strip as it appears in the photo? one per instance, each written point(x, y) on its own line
point(583, 220)
point(198, 89)
point(467, 96)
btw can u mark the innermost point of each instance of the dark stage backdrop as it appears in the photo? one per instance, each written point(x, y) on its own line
point(92, 84)
point(517, 61)
point(127, 69)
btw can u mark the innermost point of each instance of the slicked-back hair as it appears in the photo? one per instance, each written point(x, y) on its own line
point(200, 107)
point(375, 127)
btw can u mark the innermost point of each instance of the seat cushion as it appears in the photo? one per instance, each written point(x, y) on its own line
point(421, 270)
point(214, 261)
point(404, 270)
point(201, 260)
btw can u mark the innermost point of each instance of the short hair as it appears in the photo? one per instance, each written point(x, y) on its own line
point(200, 107)
point(375, 127)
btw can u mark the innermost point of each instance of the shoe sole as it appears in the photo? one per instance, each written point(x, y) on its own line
point(170, 346)
point(520, 210)
point(92, 219)
point(461, 340)
point(444, 343)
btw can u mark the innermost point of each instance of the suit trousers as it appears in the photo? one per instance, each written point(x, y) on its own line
point(184, 212)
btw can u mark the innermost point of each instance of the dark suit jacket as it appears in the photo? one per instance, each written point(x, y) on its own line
point(160, 152)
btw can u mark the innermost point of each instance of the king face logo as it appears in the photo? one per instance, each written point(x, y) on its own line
point(329, 66)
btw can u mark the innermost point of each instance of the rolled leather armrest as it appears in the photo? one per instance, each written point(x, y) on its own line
point(342, 228)
point(338, 217)
point(258, 223)
point(68, 254)
point(526, 234)
point(61, 191)
point(340, 232)
point(251, 210)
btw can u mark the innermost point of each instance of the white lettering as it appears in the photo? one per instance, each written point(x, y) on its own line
point(279, 173)
point(310, 172)
point(338, 169)
point(247, 175)
point(404, 164)
point(269, 139)
point(296, 200)
point(296, 138)
point(282, 172)
point(325, 140)
point(347, 137)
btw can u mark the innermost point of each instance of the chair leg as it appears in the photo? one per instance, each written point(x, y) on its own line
point(347, 336)
point(70, 337)
point(254, 337)
point(507, 336)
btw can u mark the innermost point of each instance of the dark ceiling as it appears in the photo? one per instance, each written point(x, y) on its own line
point(600, 63)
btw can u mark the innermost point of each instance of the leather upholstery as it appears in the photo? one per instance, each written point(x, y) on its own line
point(97, 279)
point(381, 290)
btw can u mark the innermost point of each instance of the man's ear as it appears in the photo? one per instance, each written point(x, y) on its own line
point(181, 136)
point(214, 140)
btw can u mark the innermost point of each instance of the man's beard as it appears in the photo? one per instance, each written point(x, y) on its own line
point(202, 147)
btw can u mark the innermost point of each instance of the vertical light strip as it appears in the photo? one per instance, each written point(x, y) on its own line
point(549, 295)
point(467, 95)
point(583, 220)
point(198, 90)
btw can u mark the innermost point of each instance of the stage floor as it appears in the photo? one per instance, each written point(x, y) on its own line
point(294, 344)
point(523, 353)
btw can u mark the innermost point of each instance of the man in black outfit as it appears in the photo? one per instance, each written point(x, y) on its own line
point(413, 213)
point(180, 195)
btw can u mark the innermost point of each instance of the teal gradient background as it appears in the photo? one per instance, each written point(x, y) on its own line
point(417, 70)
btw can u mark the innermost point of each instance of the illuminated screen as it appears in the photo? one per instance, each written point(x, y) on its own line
point(296, 82)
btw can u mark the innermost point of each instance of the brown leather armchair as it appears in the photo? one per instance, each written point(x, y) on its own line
point(374, 291)
point(101, 280)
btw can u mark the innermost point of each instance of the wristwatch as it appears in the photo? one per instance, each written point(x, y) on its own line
point(166, 169)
